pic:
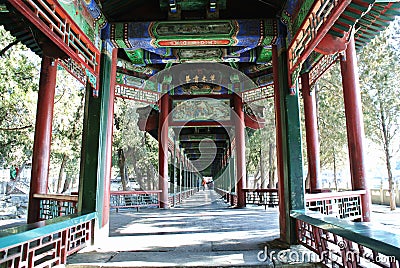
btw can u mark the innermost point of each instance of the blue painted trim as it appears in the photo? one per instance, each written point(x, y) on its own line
point(360, 232)
point(28, 232)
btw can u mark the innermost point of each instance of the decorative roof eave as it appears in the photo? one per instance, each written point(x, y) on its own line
point(310, 33)
point(367, 22)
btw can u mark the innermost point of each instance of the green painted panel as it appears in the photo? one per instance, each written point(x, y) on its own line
point(89, 154)
point(223, 31)
point(302, 14)
point(119, 35)
point(81, 16)
point(144, 70)
point(369, 17)
point(359, 7)
point(136, 56)
point(132, 81)
point(200, 54)
point(342, 27)
point(373, 28)
point(264, 56)
point(91, 188)
point(270, 33)
point(291, 147)
point(353, 15)
point(346, 21)
point(336, 33)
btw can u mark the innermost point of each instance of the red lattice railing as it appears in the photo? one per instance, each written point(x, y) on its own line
point(341, 244)
point(45, 243)
point(262, 197)
point(342, 205)
point(229, 197)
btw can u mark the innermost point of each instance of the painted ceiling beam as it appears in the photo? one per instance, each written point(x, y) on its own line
point(158, 36)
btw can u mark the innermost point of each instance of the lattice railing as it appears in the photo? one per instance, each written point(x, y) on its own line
point(322, 66)
point(54, 205)
point(74, 69)
point(229, 197)
point(135, 199)
point(262, 197)
point(340, 204)
point(340, 244)
point(137, 94)
point(177, 198)
point(259, 93)
point(46, 243)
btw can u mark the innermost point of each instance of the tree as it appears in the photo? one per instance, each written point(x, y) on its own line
point(331, 119)
point(379, 74)
point(135, 151)
point(67, 131)
point(18, 94)
point(260, 151)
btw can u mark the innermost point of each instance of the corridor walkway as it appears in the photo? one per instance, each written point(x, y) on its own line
point(202, 231)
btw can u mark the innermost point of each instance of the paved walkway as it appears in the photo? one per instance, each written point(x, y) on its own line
point(203, 231)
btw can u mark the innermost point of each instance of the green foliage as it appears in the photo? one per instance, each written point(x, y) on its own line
point(379, 73)
point(19, 78)
point(140, 149)
point(258, 143)
point(379, 77)
point(331, 119)
point(67, 128)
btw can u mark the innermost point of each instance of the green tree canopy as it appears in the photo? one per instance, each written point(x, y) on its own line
point(19, 77)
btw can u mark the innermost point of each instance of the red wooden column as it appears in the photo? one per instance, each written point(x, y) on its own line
point(310, 116)
point(279, 153)
point(163, 150)
point(240, 151)
point(42, 141)
point(354, 124)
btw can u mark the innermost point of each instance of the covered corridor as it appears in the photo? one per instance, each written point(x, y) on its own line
point(200, 66)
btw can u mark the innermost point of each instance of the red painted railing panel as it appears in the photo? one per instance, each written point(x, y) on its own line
point(336, 251)
point(50, 248)
point(340, 204)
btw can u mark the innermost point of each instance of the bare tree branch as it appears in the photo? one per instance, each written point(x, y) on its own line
point(15, 128)
point(4, 50)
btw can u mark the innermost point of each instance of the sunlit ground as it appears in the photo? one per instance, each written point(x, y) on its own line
point(202, 231)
